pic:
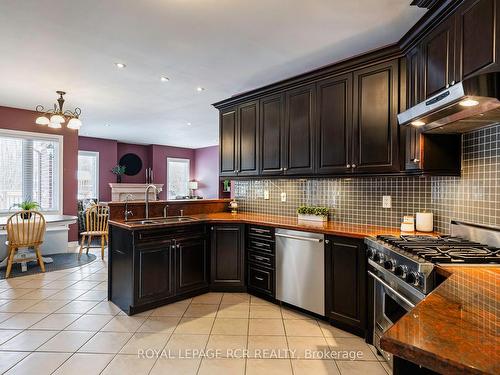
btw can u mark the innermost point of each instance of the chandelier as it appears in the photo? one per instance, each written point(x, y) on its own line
point(54, 118)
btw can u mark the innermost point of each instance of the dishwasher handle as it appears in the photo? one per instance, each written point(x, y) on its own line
point(299, 237)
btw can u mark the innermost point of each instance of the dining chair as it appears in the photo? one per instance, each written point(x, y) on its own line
point(96, 225)
point(25, 229)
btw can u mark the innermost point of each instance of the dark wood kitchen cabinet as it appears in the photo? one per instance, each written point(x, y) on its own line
point(272, 135)
point(375, 126)
point(334, 125)
point(228, 142)
point(345, 283)
point(299, 131)
point(227, 257)
point(191, 264)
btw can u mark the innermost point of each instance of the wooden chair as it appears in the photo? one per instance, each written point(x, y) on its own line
point(96, 225)
point(24, 229)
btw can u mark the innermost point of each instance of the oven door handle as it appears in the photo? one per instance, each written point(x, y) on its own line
point(399, 295)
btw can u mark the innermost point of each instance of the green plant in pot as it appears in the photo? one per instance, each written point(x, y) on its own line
point(313, 213)
point(119, 171)
point(27, 205)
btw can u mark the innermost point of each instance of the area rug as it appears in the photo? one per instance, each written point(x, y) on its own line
point(60, 262)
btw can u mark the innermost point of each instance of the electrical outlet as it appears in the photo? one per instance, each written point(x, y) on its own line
point(283, 197)
point(386, 201)
point(266, 194)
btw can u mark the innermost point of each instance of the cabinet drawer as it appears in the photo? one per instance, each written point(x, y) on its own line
point(264, 233)
point(266, 260)
point(264, 246)
point(261, 279)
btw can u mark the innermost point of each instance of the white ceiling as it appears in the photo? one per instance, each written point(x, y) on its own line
point(227, 46)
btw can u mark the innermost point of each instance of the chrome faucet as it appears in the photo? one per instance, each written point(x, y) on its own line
point(181, 212)
point(127, 211)
point(146, 197)
point(165, 211)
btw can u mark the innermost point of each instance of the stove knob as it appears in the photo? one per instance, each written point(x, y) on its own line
point(376, 256)
point(370, 253)
point(413, 278)
point(401, 271)
point(381, 258)
point(389, 264)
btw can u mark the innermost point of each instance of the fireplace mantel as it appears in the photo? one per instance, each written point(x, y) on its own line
point(120, 190)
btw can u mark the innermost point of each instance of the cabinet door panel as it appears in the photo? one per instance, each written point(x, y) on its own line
point(227, 255)
point(271, 135)
point(228, 138)
point(334, 116)
point(438, 50)
point(300, 130)
point(248, 115)
point(412, 155)
point(477, 42)
point(155, 273)
point(191, 265)
point(375, 122)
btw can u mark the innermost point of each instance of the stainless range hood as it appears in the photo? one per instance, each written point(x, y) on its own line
point(468, 105)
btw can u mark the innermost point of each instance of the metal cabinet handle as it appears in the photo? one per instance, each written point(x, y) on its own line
point(327, 241)
point(259, 278)
point(299, 238)
point(281, 168)
point(259, 257)
point(285, 169)
point(348, 165)
point(403, 298)
point(415, 160)
point(354, 165)
point(211, 228)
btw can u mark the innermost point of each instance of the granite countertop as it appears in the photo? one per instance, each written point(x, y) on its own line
point(329, 227)
point(456, 328)
point(173, 201)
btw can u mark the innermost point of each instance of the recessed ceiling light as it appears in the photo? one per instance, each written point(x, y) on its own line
point(418, 123)
point(164, 79)
point(468, 103)
point(120, 65)
point(188, 124)
point(200, 89)
point(107, 125)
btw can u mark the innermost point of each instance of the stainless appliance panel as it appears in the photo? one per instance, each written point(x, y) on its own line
point(300, 269)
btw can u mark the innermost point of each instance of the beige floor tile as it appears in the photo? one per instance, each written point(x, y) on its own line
point(357, 344)
point(209, 298)
point(4, 316)
point(201, 311)
point(293, 314)
point(222, 366)
point(58, 284)
point(28, 340)
point(129, 364)
point(40, 293)
point(106, 342)
point(104, 308)
point(230, 326)
point(195, 326)
point(9, 359)
point(77, 307)
point(297, 327)
point(145, 341)
point(159, 324)
point(174, 309)
point(56, 321)
point(374, 351)
point(46, 306)
point(84, 284)
point(67, 294)
point(85, 363)
point(16, 282)
point(264, 347)
point(268, 366)
point(234, 311)
point(22, 321)
point(18, 305)
point(93, 295)
point(266, 327)
point(124, 324)
point(7, 334)
point(259, 301)
point(15, 293)
point(265, 311)
point(66, 341)
point(331, 331)
point(101, 286)
point(316, 367)
point(39, 363)
point(231, 346)
point(97, 277)
point(386, 367)
point(304, 347)
point(177, 366)
point(143, 314)
point(184, 345)
point(233, 298)
point(89, 323)
point(360, 368)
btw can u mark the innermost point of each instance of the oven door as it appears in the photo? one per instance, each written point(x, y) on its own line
point(389, 306)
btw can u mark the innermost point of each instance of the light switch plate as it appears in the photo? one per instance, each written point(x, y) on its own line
point(283, 197)
point(266, 194)
point(386, 201)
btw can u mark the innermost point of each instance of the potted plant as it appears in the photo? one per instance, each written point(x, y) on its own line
point(119, 171)
point(27, 205)
point(313, 213)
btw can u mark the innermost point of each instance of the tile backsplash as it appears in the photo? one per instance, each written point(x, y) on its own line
point(474, 197)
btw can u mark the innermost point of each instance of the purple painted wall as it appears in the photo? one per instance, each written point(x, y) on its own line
point(207, 171)
point(141, 151)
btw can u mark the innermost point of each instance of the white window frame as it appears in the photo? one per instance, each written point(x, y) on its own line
point(60, 140)
point(96, 155)
point(179, 160)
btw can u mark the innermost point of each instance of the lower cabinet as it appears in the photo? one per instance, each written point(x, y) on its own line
point(261, 263)
point(345, 277)
point(227, 260)
point(192, 264)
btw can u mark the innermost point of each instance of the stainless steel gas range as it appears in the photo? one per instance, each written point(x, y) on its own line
point(403, 268)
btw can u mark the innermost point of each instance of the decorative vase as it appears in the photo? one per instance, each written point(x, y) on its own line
point(312, 217)
point(119, 178)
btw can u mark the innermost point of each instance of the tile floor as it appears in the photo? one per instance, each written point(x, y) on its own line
point(61, 323)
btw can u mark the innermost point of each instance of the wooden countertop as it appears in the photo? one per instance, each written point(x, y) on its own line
point(171, 201)
point(329, 227)
point(456, 328)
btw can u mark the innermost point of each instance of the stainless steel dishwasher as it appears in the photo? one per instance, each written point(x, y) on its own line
point(300, 269)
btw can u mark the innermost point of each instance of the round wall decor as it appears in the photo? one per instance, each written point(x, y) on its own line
point(132, 163)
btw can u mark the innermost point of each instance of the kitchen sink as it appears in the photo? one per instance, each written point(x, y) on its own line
point(165, 220)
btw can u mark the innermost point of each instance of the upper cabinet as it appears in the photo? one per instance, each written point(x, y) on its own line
point(271, 135)
point(227, 142)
